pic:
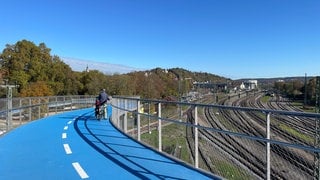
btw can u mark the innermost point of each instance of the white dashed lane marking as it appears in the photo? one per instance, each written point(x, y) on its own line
point(82, 173)
point(64, 135)
point(79, 170)
point(67, 148)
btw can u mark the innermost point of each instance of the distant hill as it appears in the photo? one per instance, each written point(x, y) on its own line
point(106, 68)
point(285, 79)
point(80, 65)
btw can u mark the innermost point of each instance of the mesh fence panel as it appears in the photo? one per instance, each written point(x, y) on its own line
point(232, 140)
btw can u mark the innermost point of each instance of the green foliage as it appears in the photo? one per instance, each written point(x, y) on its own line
point(93, 82)
point(36, 89)
point(311, 91)
point(297, 90)
point(291, 89)
point(26, 64)
point(29, 65)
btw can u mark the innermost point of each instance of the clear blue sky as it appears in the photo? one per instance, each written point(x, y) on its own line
point(231, 38)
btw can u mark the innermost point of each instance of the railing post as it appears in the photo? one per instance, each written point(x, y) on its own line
point(39, 108)
point(86, 104)
point(138, 120)
point(64, 104)
point(268, 146)
point(111, 103)
point(20, 111)
point(71, 99)
point(196, 138)
point(9, 108)
point(47, 105)
point(9, 105)
point(118, 113)
point(113, 112)
point(316, 171)
point(56, 104)
point(105, 108)
point(30, 109)
point(149, 130)
point(159, 127)
point(125, 119)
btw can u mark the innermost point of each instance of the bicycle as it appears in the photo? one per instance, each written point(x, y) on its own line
point(100, 112)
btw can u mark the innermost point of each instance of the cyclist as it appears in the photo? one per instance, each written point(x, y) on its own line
point(101, 100)
point(103, 97)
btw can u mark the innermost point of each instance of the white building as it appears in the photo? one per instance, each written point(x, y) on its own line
point(249, 84)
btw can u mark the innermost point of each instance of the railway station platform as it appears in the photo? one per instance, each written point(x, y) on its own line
point(74, 145)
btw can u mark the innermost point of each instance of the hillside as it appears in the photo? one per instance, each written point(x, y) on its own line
point(109, 69)
point(106, 68)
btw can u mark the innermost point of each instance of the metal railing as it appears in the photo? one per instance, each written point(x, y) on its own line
point(255, 144)
point(23, 110)
point(232, 142)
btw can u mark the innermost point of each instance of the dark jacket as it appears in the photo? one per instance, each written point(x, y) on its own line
point(103, 97)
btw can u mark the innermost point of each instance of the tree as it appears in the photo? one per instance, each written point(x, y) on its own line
point(291, 89)
point(61, 77)
point(29, 65)
point(36, 89)
point(24, 63)
point(311, 91)
point(93, 82)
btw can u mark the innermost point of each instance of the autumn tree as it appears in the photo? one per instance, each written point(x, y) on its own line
point(121, 84)
point(36, 89)
point(24, 63)
point(29, 65)
point(290, 89)
point(92, 82)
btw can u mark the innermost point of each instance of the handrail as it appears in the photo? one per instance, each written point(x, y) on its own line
point(127, 116)
point(32, 108)
point(226, 107)
point(119, 118)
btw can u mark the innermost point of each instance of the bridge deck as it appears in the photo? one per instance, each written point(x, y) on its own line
point(74, 145)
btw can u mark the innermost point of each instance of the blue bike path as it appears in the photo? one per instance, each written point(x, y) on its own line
point(74, 145)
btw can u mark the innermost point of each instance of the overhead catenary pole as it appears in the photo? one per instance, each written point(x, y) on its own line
point(179, 91)
point(305, 89)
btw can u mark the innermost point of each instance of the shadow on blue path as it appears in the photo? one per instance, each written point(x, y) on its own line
point(103, 147)
point(131, 156)
point(35, 151)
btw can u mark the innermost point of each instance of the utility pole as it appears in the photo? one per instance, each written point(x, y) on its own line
point(9, 105)
point(305, 90)
point(179, 89)
point(182, 90)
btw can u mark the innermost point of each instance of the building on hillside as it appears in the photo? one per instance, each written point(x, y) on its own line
point(249, 84)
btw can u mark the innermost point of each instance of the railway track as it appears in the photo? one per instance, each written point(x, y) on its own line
point(293, 156)
point(250, 155)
